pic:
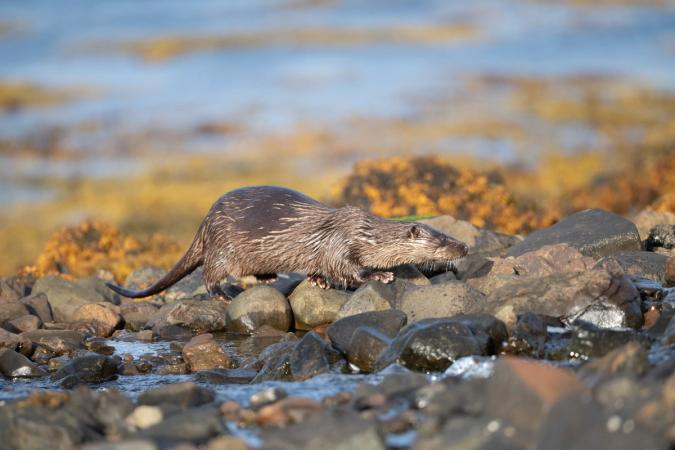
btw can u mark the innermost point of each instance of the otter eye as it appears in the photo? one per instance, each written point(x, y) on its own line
point(414, 232)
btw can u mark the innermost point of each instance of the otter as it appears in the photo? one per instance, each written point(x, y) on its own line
point(265, 230)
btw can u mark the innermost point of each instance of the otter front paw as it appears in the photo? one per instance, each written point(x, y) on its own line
point(384, 277)
point(318, 280)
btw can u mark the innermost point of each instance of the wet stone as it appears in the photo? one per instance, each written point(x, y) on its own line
point(198, 316)
point(257, 306)
point(593, 232)
point(106, 318)
point(274, 362)
point(441, 300)
point(491, 331)
point(14, 341)
point(38, 305)
point(183, 395)
point(193, 425)
point(388, 323)
point(630, 359)
point(365, 347)
point(371, 296)
point(531, 329)
point(313, 306)
point(58, 342)
point(590, 341)
point(311, 356)
point(16, 365)
point(287, 411)
point(90, 368)
point(431, 345)
point(266, 397)
point(203, 353)
point(227, 376)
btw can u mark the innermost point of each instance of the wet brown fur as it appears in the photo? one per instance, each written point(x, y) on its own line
point(265, 230)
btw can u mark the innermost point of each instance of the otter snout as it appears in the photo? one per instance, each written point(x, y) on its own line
point(455, 249)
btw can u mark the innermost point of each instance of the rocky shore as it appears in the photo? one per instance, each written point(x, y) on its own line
point(563, 339)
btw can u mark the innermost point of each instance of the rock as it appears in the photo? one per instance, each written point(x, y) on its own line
point(329, 430)
point(203, 352)
point(190, 286)
point(106, 318)
point(365, 347)
point(591, 341)
point(470, 433)
point(16, 342)
point(443, 278)
point(144, 416)
point(479, 240)
point(648, 219)
point(16, 365)
point(58, 342)
point(28, 322)
point(411, 274)
point(661, 236)
point(127, 444)
point(13, 288)
point(388, 323)
point(430, 345)
point(310, 357)
point(11, 309)
point(266, 397)
point(631, 359)
point(313, 306)
point(490, 330)
point(193, 425)
point(522, 391)
point(137, 314)
point(199, 316)
point(441, 300)
point(184, 395)
point(227, 443)
point(287, 411)
point(38, 305)
point(532, 331)
point(547, 260)
point(578, 422)
point(65, 297)
point(670, 272)
point(596, 295)
point(593, 232)
point(90, 368)
point(227, 376)
point(669, 333)
point(143, 277)
point(94, 283)
point(371, 296)
point(640, 264)
point(275, 361)
point(257, 306)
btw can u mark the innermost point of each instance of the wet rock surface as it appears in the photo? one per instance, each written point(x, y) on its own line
point(570, 344)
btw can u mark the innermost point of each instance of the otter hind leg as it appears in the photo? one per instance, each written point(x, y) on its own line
point(318, 280)
point(384, 277)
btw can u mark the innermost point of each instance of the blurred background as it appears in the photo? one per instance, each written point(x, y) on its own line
point(121, 122)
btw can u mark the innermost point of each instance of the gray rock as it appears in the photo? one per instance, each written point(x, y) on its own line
point(203, 353)
point(16, 365)
point(194, 426)
point(127, 444)
point(589, 341)
point(365, 347)
point(593, 232)
point(630, 359)
point(389, 323)
point(58, 342)
point(24, 323)
point(13, 288)
point(104, 316)
point(137, 314)
point(257, 306)
point(487, 328)
point(313, 306)
point(371, 296)
point(184, 395)
point(199, 316)
point(96, 284)
point(16, 342)
point(480, 241)
point(410, 274)
point(11, 309)
point(669, 333)
point(227, 376)
point(65, 297)
point(275, 361)
point(441, 300)
point(267, 397)
point(90, 368)
point(287, 282)
point(532, 330)
point(311, 356)
point(469, 433)
point(38, 305)
point(430, 345)
point(443, 278)
point(596, 295)
point(640, 264)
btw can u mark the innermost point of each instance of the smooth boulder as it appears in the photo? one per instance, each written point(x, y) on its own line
point(258, 306)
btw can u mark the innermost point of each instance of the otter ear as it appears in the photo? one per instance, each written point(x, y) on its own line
point(414, 231)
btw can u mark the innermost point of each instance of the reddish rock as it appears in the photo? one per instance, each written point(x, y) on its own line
point(203, 352)
point(288, 410)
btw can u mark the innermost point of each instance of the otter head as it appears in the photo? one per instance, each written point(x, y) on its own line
point(423, 244)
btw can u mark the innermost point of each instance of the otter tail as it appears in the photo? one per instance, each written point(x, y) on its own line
point(192, 259)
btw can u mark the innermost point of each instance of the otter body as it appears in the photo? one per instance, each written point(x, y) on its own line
point(265, 230)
